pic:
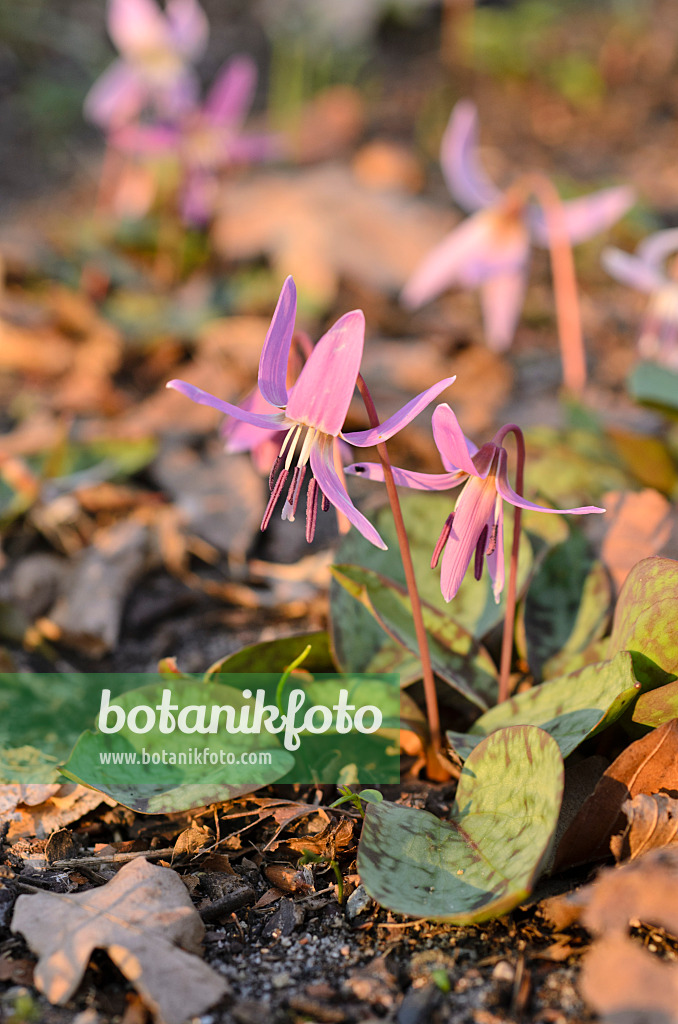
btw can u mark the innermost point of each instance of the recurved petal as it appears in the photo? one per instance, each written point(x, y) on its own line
point(407, 477)
point(454, 447)
point(465, 178)
point(656, 247)
point(323, 391)
point(474, 511)
point(586, 216)
point(266, 422)
point(137, 27)
point(631, 270)
point(230, 98)
point(188, 27)
point(508, 494)
point(116, 97)
point(323, 469)
point(276, 351)
point(400, 419)
point(485, 244)
point(502, 300)
point(243, 437)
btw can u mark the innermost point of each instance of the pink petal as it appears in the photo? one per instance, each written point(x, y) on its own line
point(231, 96)
point(586, 216)
point(656, 247)
point(255, 148)
point(117, 96)
point(631, 270)
point(204, 398)
point(400, 419)
point(502, 300)
point(198, 199)
point(276, 351)
point(145, 139)
point(465, 178)
point(508, 494)
point(322, 467)
point(495, 561)
point(188, 26)
point(323, 391)
point(137, 27)
point(175, 94)
point(474, 511)
point(485, 244)
point(407, 477)
point(455, 449)
point(263, 445)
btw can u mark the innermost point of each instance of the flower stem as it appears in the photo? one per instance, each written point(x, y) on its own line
point(510, 613)
point(568, 314)
point(434, 764)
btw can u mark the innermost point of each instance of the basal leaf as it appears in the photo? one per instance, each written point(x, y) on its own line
point(569, 708)
point(276, 655)
point(655, 385)
point(483, 861)
point(455, 655)
point(646, 621)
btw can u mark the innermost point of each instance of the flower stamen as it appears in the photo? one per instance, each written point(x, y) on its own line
point(275, 494)
point(442, 540)
point(290, 508)
point(311, 508)
point(480, 552)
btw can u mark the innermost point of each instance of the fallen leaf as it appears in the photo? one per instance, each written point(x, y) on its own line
point(140, 918)
point(646, 766)
point(39, 810)
point(652, 821)
point(641, 524)
point(623, 982)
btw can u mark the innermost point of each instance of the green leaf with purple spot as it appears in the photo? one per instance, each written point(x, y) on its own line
point(486, 858)
point(646, 621)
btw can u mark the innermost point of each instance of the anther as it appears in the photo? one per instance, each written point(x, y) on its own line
point(492, 543)
point(275, 494)
point(442, 540)
point(325, 504)
point(480, 552)
point(311, 509)
point(274, 469)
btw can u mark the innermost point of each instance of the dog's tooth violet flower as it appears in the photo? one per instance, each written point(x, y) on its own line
point(155, 50)
point(653, 269)
point(475, 529)
point(490, 250)
point(312, 413)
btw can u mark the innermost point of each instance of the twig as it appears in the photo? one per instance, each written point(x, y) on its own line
point(113, 858)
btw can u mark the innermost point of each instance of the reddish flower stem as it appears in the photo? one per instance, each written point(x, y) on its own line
point(572, 352)
point(435, 767)
point(510, 613)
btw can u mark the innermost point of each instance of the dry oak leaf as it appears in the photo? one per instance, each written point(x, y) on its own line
point(140, 918)
point(652, 822)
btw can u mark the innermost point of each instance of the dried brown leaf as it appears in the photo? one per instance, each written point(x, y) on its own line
point(641, 524)
point(37, 811)
point(652, 821)
point(140, 918)
point(623, 982)
point(649, 765)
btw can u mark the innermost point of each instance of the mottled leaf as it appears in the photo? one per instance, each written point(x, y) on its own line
point(455, 655)
point(646, 621)
point(569, 708)
point(484, 860)
point(655, 385)
point(276, 655)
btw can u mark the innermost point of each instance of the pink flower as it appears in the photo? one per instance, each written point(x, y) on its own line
point(312, 413)
point(206, 140)
point(475, 528)
point(490, 250)
point(155, 49)
point(650, 271)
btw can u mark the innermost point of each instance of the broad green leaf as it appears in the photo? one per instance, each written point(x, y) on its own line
point(456, 655)
point(276, 655)
point(646, 620)
point(567, 605)
point(393, 657)
point(163, 788)
point(655, 385)
point(657, 706)
point(483, 861)
point(355, 636)
point(566, 468)
point(569, 708)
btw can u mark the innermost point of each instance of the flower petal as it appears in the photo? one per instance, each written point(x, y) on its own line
point(254, 148)
point(323, 391)
point(323, 469)
point(502, 300)
point(145, 139)
point(137, 27)
point(116, 97)
point(198, 198)
point(586, 216)
point(407, 477)
point(196, 394)
point(276, 351)
point(400, 419)
point(631, 270)
point(465, 178)
point(485, 244)
point(474, 511)
point(188, 26)
point(508, 494)
point(656, 247)
point(231, 96)
point(454, 447)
